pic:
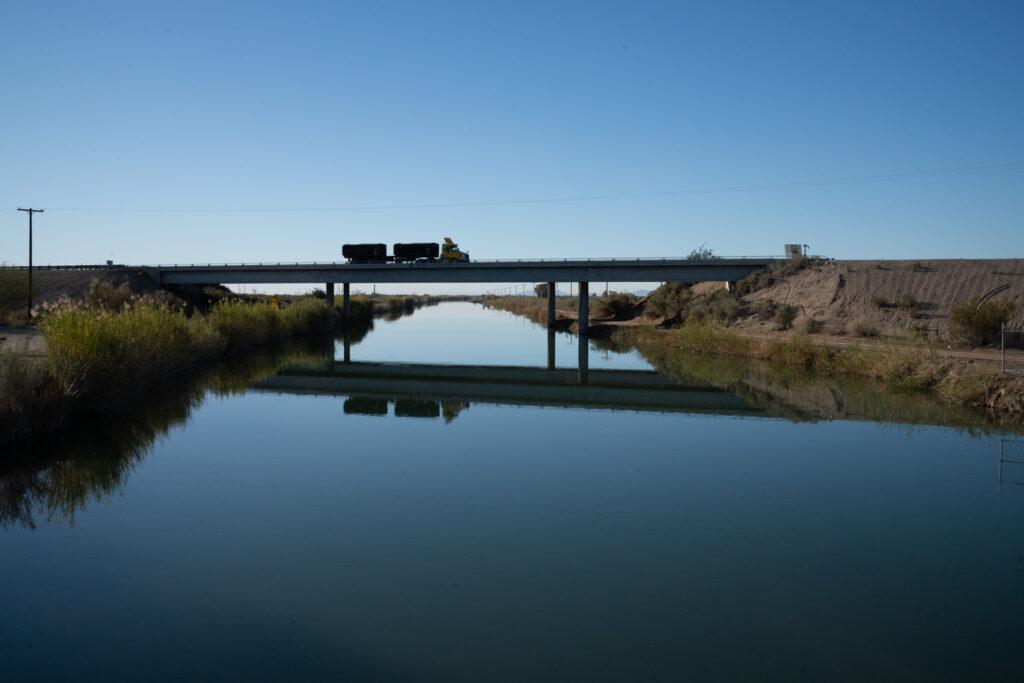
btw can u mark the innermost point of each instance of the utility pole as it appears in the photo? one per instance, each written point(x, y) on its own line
point(30, 212)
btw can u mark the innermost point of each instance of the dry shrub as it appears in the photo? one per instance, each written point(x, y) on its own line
point(720, 306)
point(864, 328)
point(104, 296)
point(976, 323)
point(766, 278)
point(669, 300)
point(614, 305)
point(784, 317)
point(799, 351)
point(764, 310)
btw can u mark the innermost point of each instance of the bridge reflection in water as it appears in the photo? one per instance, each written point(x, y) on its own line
point(436, 391)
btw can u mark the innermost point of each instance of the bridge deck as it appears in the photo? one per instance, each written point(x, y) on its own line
point(638, 270)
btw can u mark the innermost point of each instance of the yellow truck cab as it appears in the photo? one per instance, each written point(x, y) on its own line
point(450, 252)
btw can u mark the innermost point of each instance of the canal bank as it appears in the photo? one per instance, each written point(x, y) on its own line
point(964, 378)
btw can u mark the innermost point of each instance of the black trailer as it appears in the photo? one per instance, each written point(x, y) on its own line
point(365, 253)
point(414, 251)
point(355, 405)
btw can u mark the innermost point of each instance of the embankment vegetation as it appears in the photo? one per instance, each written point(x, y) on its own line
point(891, 364)
point(101, 358)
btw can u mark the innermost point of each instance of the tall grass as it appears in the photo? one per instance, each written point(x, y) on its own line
point(96, 354)
point(98, 360)
point(898, 366)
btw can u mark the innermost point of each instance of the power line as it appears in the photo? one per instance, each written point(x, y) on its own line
point(849, 180)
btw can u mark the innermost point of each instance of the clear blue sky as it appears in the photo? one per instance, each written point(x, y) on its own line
point(309, 105)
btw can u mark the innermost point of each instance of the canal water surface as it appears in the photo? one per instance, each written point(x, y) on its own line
point(501, 527)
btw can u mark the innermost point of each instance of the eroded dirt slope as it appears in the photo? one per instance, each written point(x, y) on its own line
point(843, 292)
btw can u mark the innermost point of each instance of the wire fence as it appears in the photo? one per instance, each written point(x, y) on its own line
point(1011, 342)
point(1011, 464)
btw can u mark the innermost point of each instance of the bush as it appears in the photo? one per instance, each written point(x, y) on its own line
point(614, 305)
point(764, 310)
point(669, 300)
point(785, 316)
point(766, 278)
point(721, 306)
point(104, 296)
point(541, 290)
point(975, 323)
point(880, 301)
point(799, 351)
point(864, 328)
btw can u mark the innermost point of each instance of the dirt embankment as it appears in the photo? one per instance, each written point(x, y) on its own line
point(894, 297)
point(50, 285)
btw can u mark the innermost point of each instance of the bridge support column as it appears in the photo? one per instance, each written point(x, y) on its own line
point(583, 367)
point(551, 348)
point(329, 294)
point(584, 321)
point(551, 305)
point(345, 306)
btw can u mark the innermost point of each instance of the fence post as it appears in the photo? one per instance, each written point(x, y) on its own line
point(1002, 348)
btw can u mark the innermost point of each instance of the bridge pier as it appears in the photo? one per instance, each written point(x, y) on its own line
point(584, 321)
point(551, 348)
point(345, 306)
point(551, 305)
point(583, 365)
point(329, 294)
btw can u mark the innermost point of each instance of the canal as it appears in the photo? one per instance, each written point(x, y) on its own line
point(414, 524)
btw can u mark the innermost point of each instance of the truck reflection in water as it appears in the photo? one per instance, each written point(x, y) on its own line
point(405, 407)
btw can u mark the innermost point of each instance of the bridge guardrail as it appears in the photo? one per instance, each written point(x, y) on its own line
point(653, 259)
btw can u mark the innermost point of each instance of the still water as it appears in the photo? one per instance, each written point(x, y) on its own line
point(629, 529)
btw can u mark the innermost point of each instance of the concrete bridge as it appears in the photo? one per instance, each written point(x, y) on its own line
point(426, 390)
point(551, 271)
